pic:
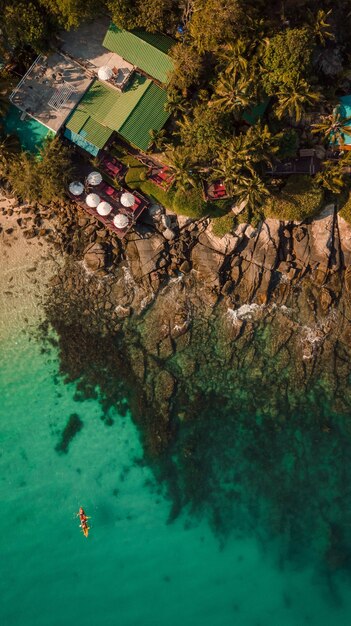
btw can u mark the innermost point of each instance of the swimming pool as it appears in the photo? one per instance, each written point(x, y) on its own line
point(30, 132)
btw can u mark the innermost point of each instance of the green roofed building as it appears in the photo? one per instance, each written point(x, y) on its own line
point(132, 113)
point(147, 51)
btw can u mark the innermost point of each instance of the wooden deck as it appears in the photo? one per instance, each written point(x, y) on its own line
point(301, 165)
point(215, 191)
point(112, 196)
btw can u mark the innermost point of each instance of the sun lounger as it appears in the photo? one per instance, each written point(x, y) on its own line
point(107, 189)
point(157, 179)
point(136, 204)
point(164, 174)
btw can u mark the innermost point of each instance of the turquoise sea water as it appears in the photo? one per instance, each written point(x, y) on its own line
point(136, 568)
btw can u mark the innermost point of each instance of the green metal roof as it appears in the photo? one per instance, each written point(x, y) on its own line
point(149, 114)
point(77, 120)
point(108, 106)
point(145, 50)
point(95, 133)
point(157, 40)
point(132, 113)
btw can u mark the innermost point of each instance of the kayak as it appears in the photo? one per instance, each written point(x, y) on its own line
point(83, 522)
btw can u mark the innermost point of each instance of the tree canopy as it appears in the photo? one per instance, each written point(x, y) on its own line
point(253, 81)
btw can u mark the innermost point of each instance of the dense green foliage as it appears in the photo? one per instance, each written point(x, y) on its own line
point(153, 15)
point(228, 57)
point(287, 59)
point(44, 177)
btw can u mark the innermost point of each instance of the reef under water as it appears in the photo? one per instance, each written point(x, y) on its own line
point(244, 415)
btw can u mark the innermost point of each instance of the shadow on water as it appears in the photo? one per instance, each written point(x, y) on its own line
point(282, 476)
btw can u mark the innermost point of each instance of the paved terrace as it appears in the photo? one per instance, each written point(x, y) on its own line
point(85, 45)
point(51, 89)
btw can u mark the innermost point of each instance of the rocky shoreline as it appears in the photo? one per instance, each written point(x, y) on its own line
point(237, 344)
point(172, 275)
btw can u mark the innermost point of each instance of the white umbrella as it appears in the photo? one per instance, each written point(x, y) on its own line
point(94, 178)
point(92, 200)
point(120, 221)
point(76, 188)
point(104, 208)
point(105, 72)
point(127, 199)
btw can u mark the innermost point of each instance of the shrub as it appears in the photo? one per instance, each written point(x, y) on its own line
point(222, 225)
point(44, 177)
point(190, 202)
point(288, 141)
point(298, 200)
point(287, 58)
point(219, 208)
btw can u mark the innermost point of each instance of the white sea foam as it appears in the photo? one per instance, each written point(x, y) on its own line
point(245, 312)
point(146, 301)
point(128, 277)
point(172, 281)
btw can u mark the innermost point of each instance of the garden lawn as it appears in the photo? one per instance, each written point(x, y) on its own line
point(298, 200)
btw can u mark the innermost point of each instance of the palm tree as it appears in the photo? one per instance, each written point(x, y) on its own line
point(320, 26)
point(9, 147)
point(294, 98)
point(251, 192)
point(261, 143)
point(236, 160)
point(244, 153)
point(227, 167)
point(232, 93)
point(157, 138)
point(333, 127)
point(184, 173)
point(235, 56)
point(332, 176)
point(176, 103)
point(7, 83)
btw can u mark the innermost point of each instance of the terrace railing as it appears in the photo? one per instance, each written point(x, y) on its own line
point(40, 60)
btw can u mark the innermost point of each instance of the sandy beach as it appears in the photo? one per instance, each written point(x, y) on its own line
point(26, 266)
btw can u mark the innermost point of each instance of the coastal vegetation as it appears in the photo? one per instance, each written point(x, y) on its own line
point(253, 84)
point(43, 177)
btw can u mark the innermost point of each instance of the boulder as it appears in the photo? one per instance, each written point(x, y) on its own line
point(265, 252)
point(326, 298)
point(207, 263)
point(94, 257)
point(143, 253)
point(185, 267)
point(168, 234)
point(344, 229)
point(166, 221)
point(322, 238)
point(225, 245)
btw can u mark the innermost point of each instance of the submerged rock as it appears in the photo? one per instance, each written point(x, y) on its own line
point(73, 426)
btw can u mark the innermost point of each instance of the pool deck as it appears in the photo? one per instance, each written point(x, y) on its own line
point(51, 89)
